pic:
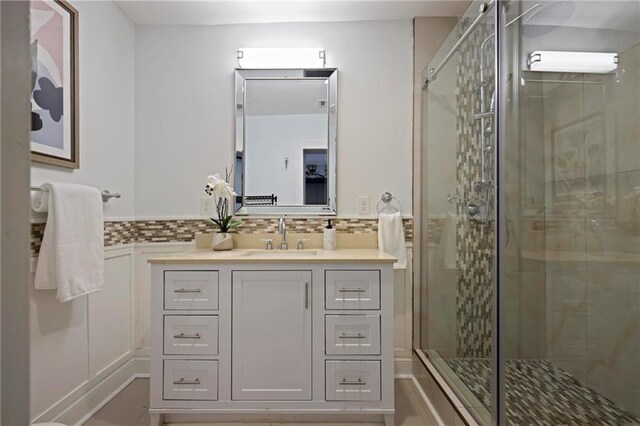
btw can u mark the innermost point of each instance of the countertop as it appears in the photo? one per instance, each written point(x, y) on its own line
point(200, 256)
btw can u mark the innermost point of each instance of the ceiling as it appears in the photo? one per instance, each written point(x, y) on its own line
point(213, 12)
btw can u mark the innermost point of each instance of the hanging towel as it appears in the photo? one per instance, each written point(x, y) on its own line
point(391, 238)
point(71, 257)
point(40, 201)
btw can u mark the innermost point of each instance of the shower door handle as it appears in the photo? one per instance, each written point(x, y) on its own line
point(507, 232)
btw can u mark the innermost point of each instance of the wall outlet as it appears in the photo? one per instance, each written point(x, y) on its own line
point(363, 206)
point(206, 205)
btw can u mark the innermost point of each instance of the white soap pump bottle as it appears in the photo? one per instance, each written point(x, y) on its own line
point(329, 237)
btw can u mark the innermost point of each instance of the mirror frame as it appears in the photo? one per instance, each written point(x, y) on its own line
point(241, 77)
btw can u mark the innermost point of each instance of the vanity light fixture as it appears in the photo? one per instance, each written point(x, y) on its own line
point(281, 58)
point(578, 62)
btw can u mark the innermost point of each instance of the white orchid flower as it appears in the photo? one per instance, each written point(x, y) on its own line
point(214, 180)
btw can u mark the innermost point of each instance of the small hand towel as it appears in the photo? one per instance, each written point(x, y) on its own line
point(391, 238)
point(71, 257)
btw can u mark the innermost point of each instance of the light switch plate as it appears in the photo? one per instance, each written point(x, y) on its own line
point(363, 206)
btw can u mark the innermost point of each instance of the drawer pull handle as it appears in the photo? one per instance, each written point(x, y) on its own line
point(354, 290)
point(306, 295)
point(345, 382)
point(182, 381)
point(187, 336)
point(184, 290)
point(357, 336)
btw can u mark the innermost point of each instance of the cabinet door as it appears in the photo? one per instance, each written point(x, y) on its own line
point(271, 340)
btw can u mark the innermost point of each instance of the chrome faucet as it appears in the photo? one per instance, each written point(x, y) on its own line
point(282, 229)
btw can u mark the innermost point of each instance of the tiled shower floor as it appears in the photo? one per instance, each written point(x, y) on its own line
point(539, 393)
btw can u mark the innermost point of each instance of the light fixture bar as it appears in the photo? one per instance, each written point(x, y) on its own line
point(578, 62)
point(281, 58)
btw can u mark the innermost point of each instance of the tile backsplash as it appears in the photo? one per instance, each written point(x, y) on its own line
point(184, 230)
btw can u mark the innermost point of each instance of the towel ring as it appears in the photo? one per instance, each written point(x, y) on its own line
point(387, 198)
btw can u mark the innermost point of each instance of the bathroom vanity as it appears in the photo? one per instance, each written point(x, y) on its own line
point(272, 334)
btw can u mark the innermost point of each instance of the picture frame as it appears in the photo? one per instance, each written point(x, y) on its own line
point(54, 133)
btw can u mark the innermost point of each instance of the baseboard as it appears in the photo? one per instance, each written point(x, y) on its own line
point(427, 401)
point(99, 395)
point(142, 366)
point(137, 367)
point(403, 368)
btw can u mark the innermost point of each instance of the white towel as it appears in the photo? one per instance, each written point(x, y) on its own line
point(391, 238)
point(40, 201)
point(71, 257)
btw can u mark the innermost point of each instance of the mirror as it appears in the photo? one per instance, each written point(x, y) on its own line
point(285, 147)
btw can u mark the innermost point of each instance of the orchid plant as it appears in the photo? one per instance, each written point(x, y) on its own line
point(223, 195)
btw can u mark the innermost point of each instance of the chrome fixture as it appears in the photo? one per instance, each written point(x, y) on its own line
point(387, 198)
point(268, 243)
point(301, 241)
point(106, 194)
point(282, 229)
point(477, 210)
point(433, 72)
point(453, 197)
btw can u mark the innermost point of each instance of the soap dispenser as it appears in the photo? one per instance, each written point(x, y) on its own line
point(329, 237)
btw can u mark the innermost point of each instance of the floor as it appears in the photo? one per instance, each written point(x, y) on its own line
point(559, 398)
point(129, 407)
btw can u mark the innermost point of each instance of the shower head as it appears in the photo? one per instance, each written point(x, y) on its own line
point(546, 17)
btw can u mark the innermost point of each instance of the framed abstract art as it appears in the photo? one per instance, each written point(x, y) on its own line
point(54, 82)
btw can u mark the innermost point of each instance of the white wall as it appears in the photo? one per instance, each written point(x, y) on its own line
point(185, 107)
point(274, 137)
point(75, 345)
point(106, 108)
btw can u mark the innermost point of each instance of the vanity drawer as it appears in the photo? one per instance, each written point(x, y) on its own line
point(352, 334)
point(191, 380)
point(352, 289)
point(191, 290)
point(352, 380)
point(191, 335)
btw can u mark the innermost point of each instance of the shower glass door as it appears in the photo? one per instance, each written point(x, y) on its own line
point(567, 146)
point(572, 280)
point(457, 238)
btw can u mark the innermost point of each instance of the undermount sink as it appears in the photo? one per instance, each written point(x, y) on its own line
point(280, 253)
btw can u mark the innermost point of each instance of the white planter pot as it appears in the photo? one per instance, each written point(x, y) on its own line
point(222, 241)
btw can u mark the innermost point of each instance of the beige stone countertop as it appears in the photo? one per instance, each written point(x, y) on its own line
point(195, 256)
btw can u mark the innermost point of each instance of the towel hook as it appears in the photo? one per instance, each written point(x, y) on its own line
point(386, 198)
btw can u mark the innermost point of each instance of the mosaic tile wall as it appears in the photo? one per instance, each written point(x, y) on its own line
point(163, 231)
point(474, 241)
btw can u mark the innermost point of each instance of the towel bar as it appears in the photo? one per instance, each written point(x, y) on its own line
point(106, 194)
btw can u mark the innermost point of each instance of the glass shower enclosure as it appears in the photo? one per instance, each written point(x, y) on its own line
point(530, 201)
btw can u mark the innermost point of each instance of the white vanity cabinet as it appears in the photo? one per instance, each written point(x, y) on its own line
point(273, 337)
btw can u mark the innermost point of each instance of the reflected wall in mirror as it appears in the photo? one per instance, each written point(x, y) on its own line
point(286, 141)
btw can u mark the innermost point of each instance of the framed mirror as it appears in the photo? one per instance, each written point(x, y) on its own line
point(285, 145)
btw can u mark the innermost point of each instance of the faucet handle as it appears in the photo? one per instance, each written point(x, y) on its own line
point(301, 242)
point(268, 243)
